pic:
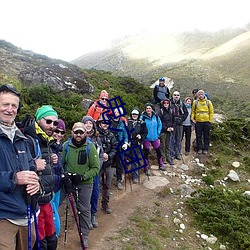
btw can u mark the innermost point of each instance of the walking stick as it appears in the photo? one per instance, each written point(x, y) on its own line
point(66, 222)
point(29, 222)
point(75, 217)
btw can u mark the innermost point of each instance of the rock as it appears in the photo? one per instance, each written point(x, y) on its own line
point(155, 181)
point(184, 167)
point(233, 176)
point(247, 193)
point(186, 189)
point(204, 236)
point(182, 226)
point(177, 221)
point(223, 247)
point(236, 164)
point(212, 239)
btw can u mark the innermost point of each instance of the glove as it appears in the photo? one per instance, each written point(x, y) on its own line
point(76, 178)
point(125, 146)
point(67, 184)
point(138, 136)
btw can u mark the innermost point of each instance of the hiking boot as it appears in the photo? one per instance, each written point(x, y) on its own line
point(178, 157)
point(119, 185)
point(94, 220)
point(162, 167)
point(147, 172)
point(199, 151)
point(85, 242)
point(135, 180)
point(108, 209)
point(205, 152)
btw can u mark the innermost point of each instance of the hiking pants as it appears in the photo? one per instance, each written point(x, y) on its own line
point(156, 146)
point(15, 237)
point(55, 206)
point(177, 135)
point(95, 194)
point(165, 145)
point(203, 135)
point(82, 198)
point(187, 133)
point(108, 172)
point(118, 166)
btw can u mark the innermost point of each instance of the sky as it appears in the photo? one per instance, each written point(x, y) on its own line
point(64, 29)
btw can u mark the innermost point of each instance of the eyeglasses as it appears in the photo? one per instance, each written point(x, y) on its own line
point(134, 114)
point(78, 132)
point(104, 99)
point(57, 131)
point(176, 95)
point(49, 121)
point(103, 122)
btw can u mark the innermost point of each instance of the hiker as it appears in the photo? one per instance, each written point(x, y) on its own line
point(95, 110)
point(18, 179)
point(202, 116)
point(154, 127)
point(118, 127)
point(180, 114)
point(167, 119)
point(93, 134)
point(194, 93)
point(187, 125)
point(39, 133)
point(161, 92)
point(57, 169)
point(109, 144)
point(81, 162)
point(138, 131)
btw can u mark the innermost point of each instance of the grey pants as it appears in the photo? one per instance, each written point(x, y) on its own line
point(82, 197)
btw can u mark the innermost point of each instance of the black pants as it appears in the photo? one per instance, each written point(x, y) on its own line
point(203, 135)
point(187, 133)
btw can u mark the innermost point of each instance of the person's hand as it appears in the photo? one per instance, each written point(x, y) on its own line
point(29, 178)
point(125, 146)
point(67, 184)
point(76, 178)
point(54, 158)
point(40, 164)
point(105, 157)
point(138, 136)
point(170, 129)
point(193, 121)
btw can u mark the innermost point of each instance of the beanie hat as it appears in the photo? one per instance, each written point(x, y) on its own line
point(135, 111)
point(61, 125)
point(188, 98)
point(87, 118)
point(45, 110)
point(104, 94)
point(201, 92)
point(165, 100)
point(9, 88)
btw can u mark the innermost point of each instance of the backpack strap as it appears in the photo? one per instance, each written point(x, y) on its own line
point(36, 146)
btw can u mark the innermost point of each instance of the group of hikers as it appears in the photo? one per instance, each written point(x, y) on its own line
point(40, 168)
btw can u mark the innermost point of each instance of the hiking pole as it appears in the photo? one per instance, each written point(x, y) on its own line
point(29, 222)
point(75, 217)
point(66, 222)
point(37, 232)
point(104, 186)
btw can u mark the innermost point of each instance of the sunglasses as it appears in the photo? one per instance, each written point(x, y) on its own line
point(104, 99)
point(57, 131)
point(103, 122)
point(78, 132)
point(176, 95)
point(49, 121)
point(134, 114)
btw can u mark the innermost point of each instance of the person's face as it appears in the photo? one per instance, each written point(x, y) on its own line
point(135, 116)
point(201, 95)
point(58, 134)
point(78, 135)
point(149, 110)
point(166, 104)
point(104, 125)
point(176, 97)
point(104, 101)
point(9, 103)
point(188, 101)
point(161, 83)
point(88, 125)
point(48, 124)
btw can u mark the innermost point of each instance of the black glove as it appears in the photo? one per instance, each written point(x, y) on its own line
point(76, 178)
point(67, 184)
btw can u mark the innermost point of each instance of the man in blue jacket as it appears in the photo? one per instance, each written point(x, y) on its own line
point(17, 178)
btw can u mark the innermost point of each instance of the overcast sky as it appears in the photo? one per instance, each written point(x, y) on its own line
point(66, 29)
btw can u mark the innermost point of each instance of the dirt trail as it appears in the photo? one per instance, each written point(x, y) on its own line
point(123, 204)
